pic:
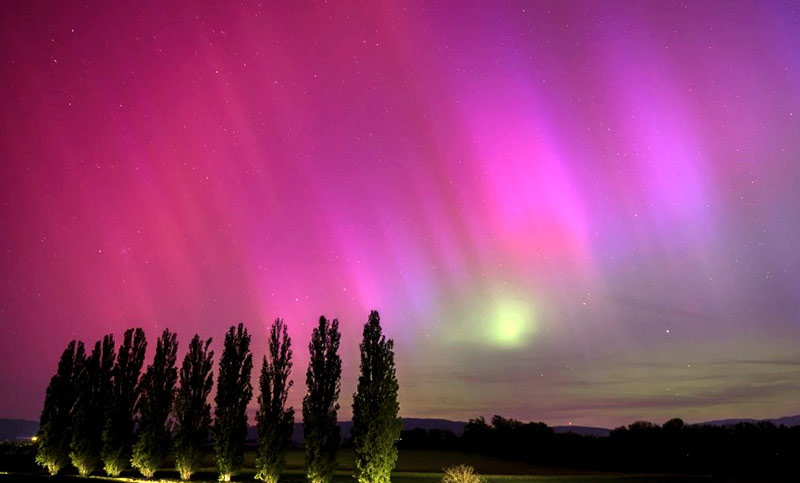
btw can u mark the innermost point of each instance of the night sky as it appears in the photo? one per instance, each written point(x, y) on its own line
point(582, 212)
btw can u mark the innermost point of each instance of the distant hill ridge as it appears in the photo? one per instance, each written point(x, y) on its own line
point(22, 429)
point(785, 421)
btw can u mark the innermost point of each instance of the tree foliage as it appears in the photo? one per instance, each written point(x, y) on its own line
point(234, 392)
point(118, 434)
point(274, 420)
point(376, 426)
point(55, 424)
point(154, 406)
point(94, 394)
point(320, 402)
point(192, 410)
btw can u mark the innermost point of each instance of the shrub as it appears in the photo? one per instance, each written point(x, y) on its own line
point(462, 474)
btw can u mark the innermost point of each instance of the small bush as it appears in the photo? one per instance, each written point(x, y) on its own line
point(462, 474)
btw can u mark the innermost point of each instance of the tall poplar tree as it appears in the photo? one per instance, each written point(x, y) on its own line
point(234, 392)
point(274, 420)
point(154, 405)
point(376, 426)
point(55, 424)
point(323, 381)
point(192, 410)
point(87, 433)
point(118, 434)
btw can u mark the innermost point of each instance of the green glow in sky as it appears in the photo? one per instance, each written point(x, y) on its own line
point(512, 323)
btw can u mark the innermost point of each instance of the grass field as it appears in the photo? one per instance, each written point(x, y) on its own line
point(413, 466)
point(297, 477)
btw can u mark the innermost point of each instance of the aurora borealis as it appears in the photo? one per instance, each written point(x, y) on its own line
point(582, 212)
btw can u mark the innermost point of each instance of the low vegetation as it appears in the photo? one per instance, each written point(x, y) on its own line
point(462, 474)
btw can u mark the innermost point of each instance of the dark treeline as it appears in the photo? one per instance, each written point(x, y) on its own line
point(746, 448)
point(101, 410)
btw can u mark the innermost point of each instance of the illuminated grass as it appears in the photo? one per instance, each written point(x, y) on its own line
point(347, 477)
point(414, 466)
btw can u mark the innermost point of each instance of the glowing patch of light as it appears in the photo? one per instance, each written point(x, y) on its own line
point(512, 323)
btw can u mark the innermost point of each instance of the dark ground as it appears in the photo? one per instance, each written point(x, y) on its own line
point(413, 466)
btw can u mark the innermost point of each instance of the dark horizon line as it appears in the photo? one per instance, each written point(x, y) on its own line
point(717, 421)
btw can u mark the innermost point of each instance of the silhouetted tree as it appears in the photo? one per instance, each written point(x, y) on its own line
point(234, 392)
point(55, 424)
point(274, 420)
point(155, 403)
point(644, 427)
point(320, 404)
point(87, 433)
point(192, 411)
point(376, 426)
point(476, 434)
point(675, 425)
point(118, 435)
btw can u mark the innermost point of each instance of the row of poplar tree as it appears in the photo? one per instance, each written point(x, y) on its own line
point(99, 409)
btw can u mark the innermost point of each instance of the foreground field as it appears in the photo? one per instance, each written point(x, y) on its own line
point(413, 467)
point(396, 478)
